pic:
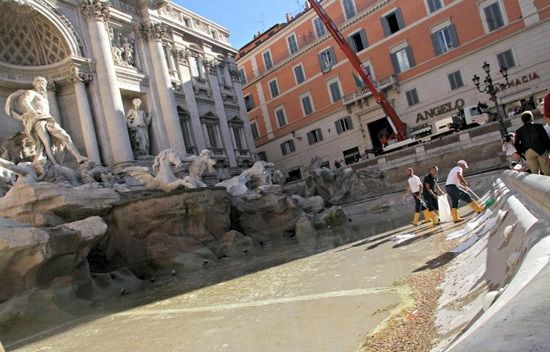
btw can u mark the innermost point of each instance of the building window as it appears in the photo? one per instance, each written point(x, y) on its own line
point(281, 117)
point(262, 156)
point(195, 67)
point(455, 80)
point(506, 59)
point(273, 88)
point(402, 60)
point(288, 147)
point(254, 129)
point(267, 60)
point(242, 76)
point(314, 136)
point(327, 59)
point(358, 41)
point(214, 34)
point(212, 134)
point(221, 76)
point(292, 44)
point(493, 16)
point(335, 91)
point(434, 5)
point(444, 39)
point(351, 155)
point(349, 8)
point(185, 123)
point(319, 26)
point(392, 22)
point(307, 105)
point(299, 74)
point(249, 102)
point(238, 134)
point(344, 124)
point(412, 97)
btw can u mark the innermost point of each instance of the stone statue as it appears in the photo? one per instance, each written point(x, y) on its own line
point(127, 51)
point(199, 164)
point(164, 178)
point(24, 171)
point(257, 177)
point(138, 123)
point(32, 109)
point(117, 55)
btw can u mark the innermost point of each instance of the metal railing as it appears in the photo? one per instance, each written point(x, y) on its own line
point(364, 92)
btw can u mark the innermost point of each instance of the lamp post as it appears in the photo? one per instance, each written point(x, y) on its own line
point(492, 88)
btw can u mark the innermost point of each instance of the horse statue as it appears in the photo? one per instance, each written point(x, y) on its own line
point(197, 166)
point(165, 179)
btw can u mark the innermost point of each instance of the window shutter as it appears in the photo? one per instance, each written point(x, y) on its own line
point(322, 62)
point(399, 18)
point(352, 44)
point(338, 126)
point(395, 63)
point(320, 134)
point(385, 26)
point(310, 138)
point(454, 37)
point(363, 35)
point(332, 56)
point(435, 42)
point(410, 56)
point(350, 123)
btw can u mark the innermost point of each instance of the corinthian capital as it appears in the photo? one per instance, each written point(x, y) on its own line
point(95, 9)
point(149, 30)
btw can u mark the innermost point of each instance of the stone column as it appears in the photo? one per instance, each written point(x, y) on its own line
point(187, 86)
point(220, 111)
point(243, 113)
point(97, 13)
point(152, 34)
point(85, 115)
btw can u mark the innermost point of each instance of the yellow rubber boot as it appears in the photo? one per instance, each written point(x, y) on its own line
point(428, 216)
point(478, 209)
point(435, 218)
point(415, 219)
point(454, 213)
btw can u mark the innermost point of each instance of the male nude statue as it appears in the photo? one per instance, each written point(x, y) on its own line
point(32, 109)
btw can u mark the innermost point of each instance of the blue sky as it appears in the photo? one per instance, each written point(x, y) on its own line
point(243, 17)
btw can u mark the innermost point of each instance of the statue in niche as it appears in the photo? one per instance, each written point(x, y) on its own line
point(138, 123)
point(128, 51)
point(117, 55)
point(31, 107)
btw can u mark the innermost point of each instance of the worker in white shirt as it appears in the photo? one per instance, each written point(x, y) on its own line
point(454, 180)
point(414, 186)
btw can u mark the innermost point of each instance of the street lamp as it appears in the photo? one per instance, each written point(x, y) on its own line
point(492, 88)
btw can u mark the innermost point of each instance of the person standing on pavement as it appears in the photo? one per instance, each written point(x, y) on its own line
point(431, 190)
point(454, 180)
point(414, 186)
point(533, 142)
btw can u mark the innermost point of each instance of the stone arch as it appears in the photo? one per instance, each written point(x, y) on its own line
point(35, 34)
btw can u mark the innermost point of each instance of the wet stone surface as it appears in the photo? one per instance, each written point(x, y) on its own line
point(325, 302)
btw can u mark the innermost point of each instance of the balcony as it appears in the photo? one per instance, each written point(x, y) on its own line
point(364, 92)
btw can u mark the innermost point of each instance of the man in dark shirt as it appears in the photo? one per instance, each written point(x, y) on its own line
point(533, 142)
point(431, 188)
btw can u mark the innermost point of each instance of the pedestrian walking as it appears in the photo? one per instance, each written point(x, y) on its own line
point(431, 190)
point(414, 186)
point(455, 180)
point(533, 143)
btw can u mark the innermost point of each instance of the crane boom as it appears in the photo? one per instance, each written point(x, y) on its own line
point(380, 98)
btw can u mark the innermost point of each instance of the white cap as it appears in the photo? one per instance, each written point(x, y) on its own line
point(463, 162)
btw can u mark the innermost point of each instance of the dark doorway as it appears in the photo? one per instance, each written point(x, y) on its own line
point(294, 175)
point(351, 155)
point(380, 131)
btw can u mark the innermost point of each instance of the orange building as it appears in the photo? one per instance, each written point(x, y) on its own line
point(304, 100)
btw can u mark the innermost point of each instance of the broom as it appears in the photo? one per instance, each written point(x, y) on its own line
point(490, 201)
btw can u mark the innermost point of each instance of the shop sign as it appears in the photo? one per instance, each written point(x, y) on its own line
point(440, 110)
point(519, 81)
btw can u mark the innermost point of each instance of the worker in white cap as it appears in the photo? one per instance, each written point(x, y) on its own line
point(454, 180)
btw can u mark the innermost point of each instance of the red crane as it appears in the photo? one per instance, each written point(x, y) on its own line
point(380, 98)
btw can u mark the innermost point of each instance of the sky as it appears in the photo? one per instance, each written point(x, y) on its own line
point(243, 18)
